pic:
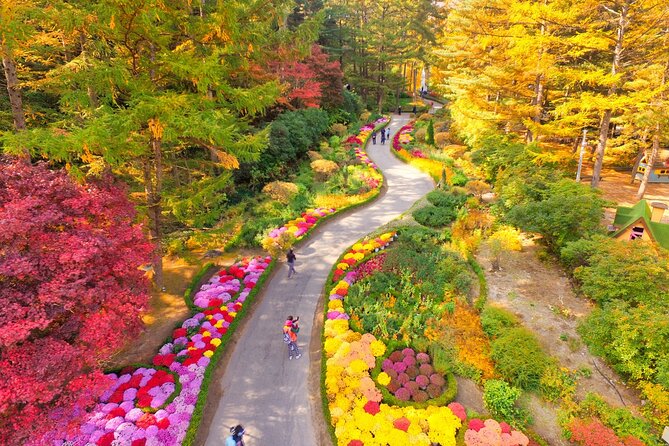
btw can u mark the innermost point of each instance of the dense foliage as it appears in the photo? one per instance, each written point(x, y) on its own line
point(71, 293)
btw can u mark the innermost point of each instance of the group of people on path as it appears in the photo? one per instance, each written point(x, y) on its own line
point(385, 135)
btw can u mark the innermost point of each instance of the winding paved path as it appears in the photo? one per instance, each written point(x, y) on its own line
point(260, 387)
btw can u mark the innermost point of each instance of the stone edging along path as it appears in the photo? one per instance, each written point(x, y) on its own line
point(258, 386)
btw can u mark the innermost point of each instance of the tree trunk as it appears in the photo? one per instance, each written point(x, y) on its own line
point(15, 99)
point(649, 163)
point(601, 147)
point(153, 187)
point(606, 117)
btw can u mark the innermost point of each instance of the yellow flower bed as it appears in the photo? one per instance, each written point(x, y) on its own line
point(354, 401)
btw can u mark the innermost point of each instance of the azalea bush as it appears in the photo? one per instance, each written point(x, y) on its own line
point(492, 433)
point(279, 239)
point(155, 405)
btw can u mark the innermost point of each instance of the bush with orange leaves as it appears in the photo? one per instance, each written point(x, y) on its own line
point(472, 343)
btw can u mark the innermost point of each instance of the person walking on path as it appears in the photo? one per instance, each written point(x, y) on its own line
point(388, 133)
point(399, 109)
point(290, 330)
point(414, 110)
point(290, 259)
point(236, 436)
point(374, 138)
point(383, 136)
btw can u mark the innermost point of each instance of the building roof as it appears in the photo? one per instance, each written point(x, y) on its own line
point(626, 216)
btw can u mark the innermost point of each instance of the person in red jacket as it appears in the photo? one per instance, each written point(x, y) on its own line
point(290, 330)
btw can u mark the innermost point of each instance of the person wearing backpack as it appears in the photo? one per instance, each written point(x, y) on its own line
point(290, 330)
point(236, 436)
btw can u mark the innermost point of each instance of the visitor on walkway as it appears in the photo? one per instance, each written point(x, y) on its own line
point(413, 110)
point(290, 259)
point(383, 136)
point(399, 109)
point(388, 133)
point(290, 330)
point(236, 436)
point(374, 138)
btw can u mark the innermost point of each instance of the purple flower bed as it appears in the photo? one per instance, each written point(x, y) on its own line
point(412, 377)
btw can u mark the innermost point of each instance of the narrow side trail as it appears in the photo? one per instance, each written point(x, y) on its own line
point(260, 388)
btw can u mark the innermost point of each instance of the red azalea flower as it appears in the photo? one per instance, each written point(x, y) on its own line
point(116, 397)
point(372, 407)
point(118, 412)
point(506, 429)
point(164, 423)
point(179, 333)
point(227, 317)
point(215, 302)
point(356, 443)
point(146, 420)
point(475, 424)
point(402, 424)
point(139, 442)
point(106, 439)
point(237, 306)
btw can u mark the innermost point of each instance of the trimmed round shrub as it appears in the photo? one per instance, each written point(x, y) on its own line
point(437, 379)
point(421, 396)
point(496, 320)
point(412, 386)
point(396, 356)
point(434, 217)
point(423, 358)
point(403, 378)
point(400, 367)
point(520, 358)
point(446, 199)
point(392, 373)
point(393, 385)
point(403, 394)
point(426, 369)
point(422, 381)
point(434, 391)
point(409, 360)
point(408, 352)
point(412, 371)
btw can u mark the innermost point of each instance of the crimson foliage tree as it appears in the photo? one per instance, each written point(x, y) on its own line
point(594, 433)
point(70, 293)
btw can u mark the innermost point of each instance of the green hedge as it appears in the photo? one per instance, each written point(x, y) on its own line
point(435, 217)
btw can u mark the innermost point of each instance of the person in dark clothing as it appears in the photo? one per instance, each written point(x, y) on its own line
point(399, 109)
point(374, 138)
point(236, 437)
point(413, 110)
point(383, 136)
point(290, 259)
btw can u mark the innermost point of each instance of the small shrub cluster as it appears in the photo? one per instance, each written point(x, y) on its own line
point(500, 399)
point(409, 376)
point(444, 209)
point(281, 191)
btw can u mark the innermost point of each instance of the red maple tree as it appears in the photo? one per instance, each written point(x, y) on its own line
point(70, 293)
point(312, 82)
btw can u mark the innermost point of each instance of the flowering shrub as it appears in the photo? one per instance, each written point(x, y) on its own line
point(154, 406)
point(492, 433)
point(409, 376)
point(359, 251)
point(593, 433)
point(293, 230)
point(371, 266)
point(281, 191)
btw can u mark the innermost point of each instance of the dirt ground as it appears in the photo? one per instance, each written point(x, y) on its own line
point(541, 295)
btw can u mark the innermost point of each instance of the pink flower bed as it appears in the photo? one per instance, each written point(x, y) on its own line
point(154, 407)
point(412, 377)
point(492, 433)
point(299, 227)
point(403, 136)
point(227, 283)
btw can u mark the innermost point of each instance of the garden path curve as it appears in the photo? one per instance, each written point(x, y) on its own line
point(260, 387)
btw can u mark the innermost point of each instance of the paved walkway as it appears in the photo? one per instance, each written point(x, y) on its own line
point(261, 388)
